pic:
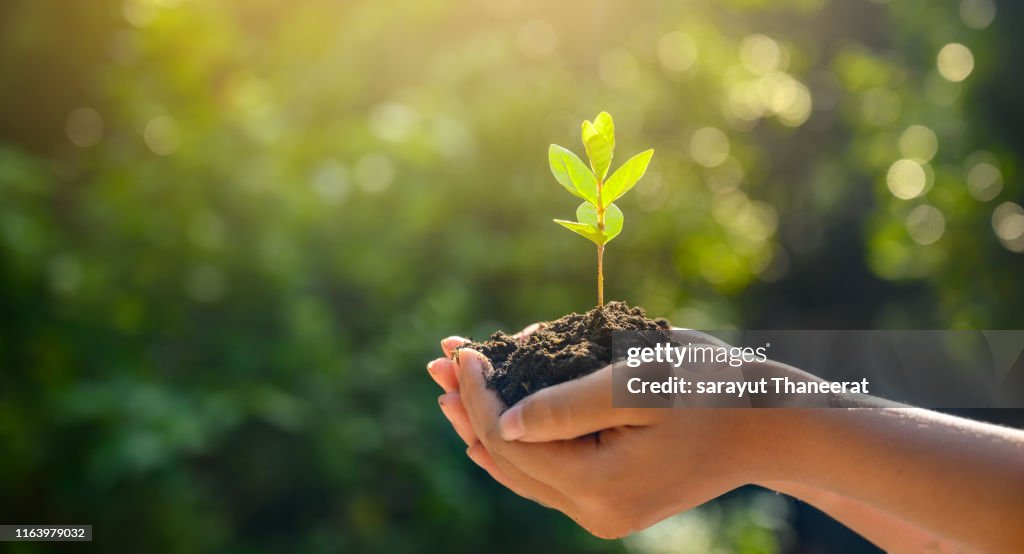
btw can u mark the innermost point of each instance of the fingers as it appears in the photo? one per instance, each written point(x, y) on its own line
point(446, 373)
point(442, 370)
point(482, 405)
point(452, 408)
point(569, 410)
point(482, 458)
point(523, 485)
point(547, 462)
point(450, 344)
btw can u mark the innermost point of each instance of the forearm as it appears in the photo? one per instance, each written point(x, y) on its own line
point(937, 472)
point(884, 530)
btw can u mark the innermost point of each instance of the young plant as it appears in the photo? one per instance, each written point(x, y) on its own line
point(599, 219)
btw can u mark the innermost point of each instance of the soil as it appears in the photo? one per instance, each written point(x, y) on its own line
point(569, 347)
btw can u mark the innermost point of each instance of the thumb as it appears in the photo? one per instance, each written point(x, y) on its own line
point(569, 410)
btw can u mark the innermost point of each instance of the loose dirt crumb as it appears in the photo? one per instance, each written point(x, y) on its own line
point(569, 347)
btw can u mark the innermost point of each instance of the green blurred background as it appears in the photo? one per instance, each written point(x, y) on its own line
point(232, 234)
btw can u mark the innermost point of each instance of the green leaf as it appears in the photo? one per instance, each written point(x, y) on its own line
point(613, 220)
point(587, 213)
point(625, 177)
point(559, 169)
point(572, 173)
point(591, 233)
point(598, 150)
point(604, 125)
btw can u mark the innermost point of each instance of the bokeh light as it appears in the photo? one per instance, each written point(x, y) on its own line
point(977, 14)
point(955, 62)
point(677, 51)
point(919, 143)
point(162, 135)
point(984, 178)
point(709, 147)
point(84, 127)
point(1008, 223)
point(906, 179)
point(761, 54)
point(926, 224)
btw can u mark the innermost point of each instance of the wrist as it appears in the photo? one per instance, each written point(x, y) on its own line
point(773, 439)
point(740, 446)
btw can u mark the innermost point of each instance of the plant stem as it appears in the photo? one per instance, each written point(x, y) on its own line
point(600, 247)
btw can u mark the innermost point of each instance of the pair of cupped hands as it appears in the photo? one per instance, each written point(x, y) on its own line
point(612, 470)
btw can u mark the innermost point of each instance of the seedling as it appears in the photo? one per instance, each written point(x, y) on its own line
point(599, 219)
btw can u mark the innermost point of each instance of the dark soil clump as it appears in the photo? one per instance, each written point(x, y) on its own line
point(572, 346)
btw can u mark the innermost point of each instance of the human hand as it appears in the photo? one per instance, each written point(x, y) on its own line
point(705, 452)
point(442, 371)
point(645, 464)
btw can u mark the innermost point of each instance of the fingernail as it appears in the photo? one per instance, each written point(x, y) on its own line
point(441, 400)
point(451, 343)
point(467, 359)
point(430, 366)
point(510, 424)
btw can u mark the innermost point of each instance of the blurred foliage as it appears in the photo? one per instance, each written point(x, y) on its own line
point(232, 233)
